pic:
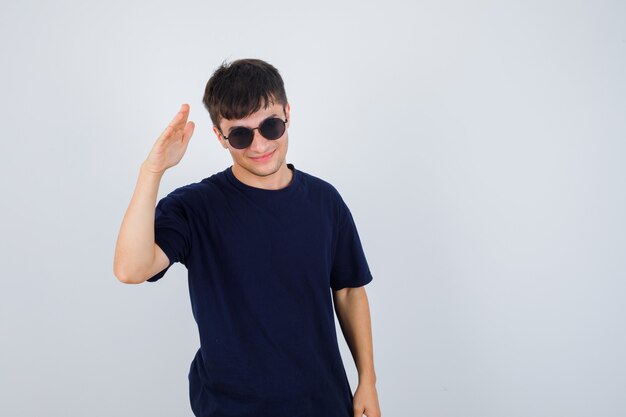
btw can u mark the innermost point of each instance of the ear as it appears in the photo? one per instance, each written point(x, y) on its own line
point(288, 114)
point(219, 137)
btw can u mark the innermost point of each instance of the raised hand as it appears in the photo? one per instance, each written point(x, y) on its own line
point(170, 147)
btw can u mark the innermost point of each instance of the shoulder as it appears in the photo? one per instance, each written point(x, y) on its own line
point(328, 194)
point(194, 193)
point(315, 183)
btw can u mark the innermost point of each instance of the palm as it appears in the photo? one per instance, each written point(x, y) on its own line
point(170, 147)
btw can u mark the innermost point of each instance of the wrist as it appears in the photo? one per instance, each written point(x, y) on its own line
point(367, 379)
point(147, 170)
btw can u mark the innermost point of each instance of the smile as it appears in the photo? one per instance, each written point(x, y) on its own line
point(264, 157)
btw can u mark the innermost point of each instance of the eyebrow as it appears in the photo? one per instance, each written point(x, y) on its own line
point(234, 127)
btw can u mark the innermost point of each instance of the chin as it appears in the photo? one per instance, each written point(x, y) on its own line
point(261, 171)
point(267, 171)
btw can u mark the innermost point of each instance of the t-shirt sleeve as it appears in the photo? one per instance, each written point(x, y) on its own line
point(349, 268)
point(172, 231)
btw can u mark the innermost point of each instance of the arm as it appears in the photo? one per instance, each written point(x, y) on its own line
point(137, 256)
point(352, 308)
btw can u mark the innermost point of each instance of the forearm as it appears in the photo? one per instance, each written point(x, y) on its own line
point(353, 313)
point(134, 251)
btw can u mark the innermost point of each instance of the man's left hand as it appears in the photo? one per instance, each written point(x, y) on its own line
point(366, 401)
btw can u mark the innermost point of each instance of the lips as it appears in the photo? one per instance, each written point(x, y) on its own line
point(263, 157)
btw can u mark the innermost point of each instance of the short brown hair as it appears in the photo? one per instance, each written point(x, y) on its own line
point(238, 89)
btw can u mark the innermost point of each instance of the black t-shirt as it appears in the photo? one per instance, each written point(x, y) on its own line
point(261, 266)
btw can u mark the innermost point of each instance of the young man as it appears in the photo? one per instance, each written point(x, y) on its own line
point(265, 246)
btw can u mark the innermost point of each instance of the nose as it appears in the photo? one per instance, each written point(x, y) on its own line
point(259, 144)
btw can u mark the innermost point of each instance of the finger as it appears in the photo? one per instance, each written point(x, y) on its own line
point(188, 132)
point(177, 123)
point(167, 133)
point(181, 117)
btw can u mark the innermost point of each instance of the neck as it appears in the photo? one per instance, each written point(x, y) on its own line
point(279, 179)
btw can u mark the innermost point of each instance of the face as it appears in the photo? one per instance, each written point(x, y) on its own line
point(263, 159)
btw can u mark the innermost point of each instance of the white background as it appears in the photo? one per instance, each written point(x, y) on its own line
point(479, 145)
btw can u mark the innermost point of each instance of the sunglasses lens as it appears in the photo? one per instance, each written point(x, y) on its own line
point(272, 128)
point(240, 138)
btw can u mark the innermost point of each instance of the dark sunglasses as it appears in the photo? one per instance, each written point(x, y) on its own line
point(271, 129)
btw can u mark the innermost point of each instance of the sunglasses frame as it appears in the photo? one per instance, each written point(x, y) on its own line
point(259, 128)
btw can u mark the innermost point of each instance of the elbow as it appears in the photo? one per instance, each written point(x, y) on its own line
point(127, 270)
point(122, 276)
point(126, 277)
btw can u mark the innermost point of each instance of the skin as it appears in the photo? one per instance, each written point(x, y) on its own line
point(138, 258)
point(353, 314)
